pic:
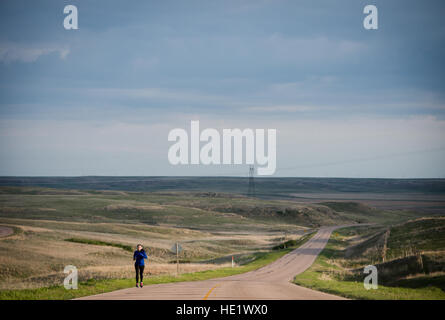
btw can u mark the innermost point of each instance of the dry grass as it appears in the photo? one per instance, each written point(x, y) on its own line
point(36, 256)
point(325, 277)
point(104, 272)
point(121, 207)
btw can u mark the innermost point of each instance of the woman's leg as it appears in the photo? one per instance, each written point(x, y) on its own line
point(141, 270)
point(136, 267)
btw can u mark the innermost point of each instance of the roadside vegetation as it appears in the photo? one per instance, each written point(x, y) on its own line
point(101, 243)
point(409, 257)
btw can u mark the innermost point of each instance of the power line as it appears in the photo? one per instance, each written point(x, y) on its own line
point(325, 164)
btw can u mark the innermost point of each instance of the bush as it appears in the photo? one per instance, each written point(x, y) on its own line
point(100, 243)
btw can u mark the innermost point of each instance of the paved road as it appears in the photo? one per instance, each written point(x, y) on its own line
point(5, 231)
point(269, 282)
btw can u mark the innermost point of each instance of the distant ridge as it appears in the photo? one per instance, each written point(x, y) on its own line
point(263, 186)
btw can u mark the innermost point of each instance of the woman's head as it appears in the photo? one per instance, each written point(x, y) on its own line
point(139, 247)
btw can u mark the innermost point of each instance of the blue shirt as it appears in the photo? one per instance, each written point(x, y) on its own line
point(139, 256)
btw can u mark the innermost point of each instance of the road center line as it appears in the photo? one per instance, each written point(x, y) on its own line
point(210, 291)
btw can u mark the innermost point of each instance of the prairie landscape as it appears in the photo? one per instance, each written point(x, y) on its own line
point(97, 232)
point(95, 223)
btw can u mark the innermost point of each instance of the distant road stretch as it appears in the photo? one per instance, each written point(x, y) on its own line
point(5, 231)
point(269, 282)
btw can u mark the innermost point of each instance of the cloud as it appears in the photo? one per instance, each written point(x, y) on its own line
point(283, 108)
point(13, 52)
point(164, 94)
point(314, 49)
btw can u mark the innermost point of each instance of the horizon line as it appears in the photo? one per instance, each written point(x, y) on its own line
point(214, 176)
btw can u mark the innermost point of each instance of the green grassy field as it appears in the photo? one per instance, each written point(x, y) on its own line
point(425, 234)
point(337, 273)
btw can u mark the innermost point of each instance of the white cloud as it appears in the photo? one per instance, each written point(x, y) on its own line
point(165, 94)
point(13, 52)
point(317, 49)
point(283, 108)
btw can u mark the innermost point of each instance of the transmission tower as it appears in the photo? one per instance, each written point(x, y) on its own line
point(251, 190)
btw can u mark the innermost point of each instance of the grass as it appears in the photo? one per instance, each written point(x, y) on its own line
point(92, 287)
point(209, 226)
point(355, 290)
point(100, 243)
point(328, 274)
point(36, 256)
point(423, 234)
point(183, 209)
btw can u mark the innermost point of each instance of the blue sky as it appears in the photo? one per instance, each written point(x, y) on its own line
point(100, 100)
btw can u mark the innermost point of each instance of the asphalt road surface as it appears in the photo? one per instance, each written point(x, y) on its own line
point(5, 231)
point(272, 281)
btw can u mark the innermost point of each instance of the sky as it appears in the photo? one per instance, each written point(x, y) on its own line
point(101, 100)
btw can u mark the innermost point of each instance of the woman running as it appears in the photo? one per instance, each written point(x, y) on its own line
point(139, 264)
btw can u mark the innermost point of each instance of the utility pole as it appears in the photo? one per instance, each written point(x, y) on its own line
point(251, 190)
point(176, 248)
point(177, 258)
